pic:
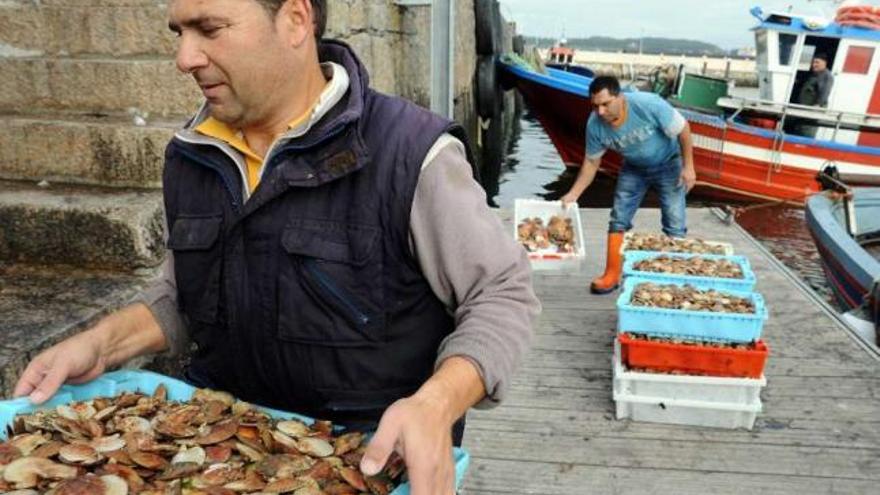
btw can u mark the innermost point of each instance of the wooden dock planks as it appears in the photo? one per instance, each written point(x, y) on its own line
point(556, 433)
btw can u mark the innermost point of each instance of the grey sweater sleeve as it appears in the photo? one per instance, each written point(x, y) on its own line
point(161, 298)
point(475, 267)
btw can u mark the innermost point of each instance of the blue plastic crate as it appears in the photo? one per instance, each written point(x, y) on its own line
point(116, 382)
point(698, 325)
point(745, 284)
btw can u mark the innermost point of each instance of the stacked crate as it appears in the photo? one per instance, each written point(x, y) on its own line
point(684, 366)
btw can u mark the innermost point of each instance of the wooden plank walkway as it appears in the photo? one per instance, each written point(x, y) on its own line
point(556, 434)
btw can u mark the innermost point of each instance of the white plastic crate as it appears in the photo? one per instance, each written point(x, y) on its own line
point(687, 400)
point(548, 258)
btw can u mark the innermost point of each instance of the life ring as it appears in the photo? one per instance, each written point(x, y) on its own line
point(863, 16)
point(486, 27)
point(488, 90)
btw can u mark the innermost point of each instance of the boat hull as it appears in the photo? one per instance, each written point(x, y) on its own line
point(849, 268)
point(732, 160)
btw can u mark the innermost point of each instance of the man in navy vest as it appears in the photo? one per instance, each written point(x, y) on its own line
point(655, 142)
point(329, 250)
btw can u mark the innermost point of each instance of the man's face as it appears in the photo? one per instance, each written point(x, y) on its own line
point(819, 65)
point(608, 106)
point(239, 55)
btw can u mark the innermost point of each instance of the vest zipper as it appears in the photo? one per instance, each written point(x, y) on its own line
point(243, 193)
point(236, 205)
point(358, 316)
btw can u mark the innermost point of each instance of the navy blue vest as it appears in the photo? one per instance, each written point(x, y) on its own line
point(307, 297)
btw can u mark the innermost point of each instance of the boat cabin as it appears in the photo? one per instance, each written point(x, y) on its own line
point(562, 55)
point(786, 44)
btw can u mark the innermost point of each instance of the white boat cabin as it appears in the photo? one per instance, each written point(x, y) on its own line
point(785, 45)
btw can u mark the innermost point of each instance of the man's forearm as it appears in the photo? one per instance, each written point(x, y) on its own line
point(687, 148)
point(127, 333)
point(454, 387)
point(585, 176)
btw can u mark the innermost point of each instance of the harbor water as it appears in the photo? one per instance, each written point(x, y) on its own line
point(532, 169)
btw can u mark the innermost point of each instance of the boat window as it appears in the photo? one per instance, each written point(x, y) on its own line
point(786, 47)
point(806, 57)
point(761, 48)
point(858, 59)
point(779, 19)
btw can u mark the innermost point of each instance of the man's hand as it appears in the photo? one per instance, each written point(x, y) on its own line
point(120, 336)
point(77, 360)
point(419, 427)
point(420, 432)
point(569, 198)
point(688, 178)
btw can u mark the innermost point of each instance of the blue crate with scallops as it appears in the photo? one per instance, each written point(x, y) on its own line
point(687, 324)
point(745, 284)
point(117, 382)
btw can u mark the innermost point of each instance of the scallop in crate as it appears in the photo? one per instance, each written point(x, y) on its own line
point(708, 271)
point(187, 445)
point(550, 233)
point(651, 241)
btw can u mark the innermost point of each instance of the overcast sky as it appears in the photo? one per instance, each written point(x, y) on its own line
point(725, 23)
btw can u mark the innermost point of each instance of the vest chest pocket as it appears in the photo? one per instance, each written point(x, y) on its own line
point(198, 259)
point(330, 284)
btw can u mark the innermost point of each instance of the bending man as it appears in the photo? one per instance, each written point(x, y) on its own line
point(655, 142)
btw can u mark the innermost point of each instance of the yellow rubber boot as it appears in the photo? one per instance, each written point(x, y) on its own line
point(610, 280)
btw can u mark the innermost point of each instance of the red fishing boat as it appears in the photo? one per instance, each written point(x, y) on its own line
point(742, 147)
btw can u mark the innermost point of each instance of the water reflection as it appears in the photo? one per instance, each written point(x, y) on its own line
point(532, 169)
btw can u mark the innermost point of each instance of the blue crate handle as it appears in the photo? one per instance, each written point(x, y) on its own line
point(116, 382)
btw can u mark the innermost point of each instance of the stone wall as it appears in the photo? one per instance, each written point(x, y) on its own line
point(394, 42)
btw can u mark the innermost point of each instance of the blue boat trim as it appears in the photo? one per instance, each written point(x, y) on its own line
point(832, 30)
point(579, 85)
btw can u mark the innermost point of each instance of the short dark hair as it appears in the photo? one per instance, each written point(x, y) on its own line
point(605, 82)
point(821, 56)
point(319, 8)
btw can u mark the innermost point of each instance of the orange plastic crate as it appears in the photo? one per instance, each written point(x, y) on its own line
point(694, 359)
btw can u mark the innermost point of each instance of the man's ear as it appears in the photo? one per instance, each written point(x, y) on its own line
point(296, 19)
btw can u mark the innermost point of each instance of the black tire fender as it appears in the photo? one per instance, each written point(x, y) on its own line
point(519, 44)
point(488, 90)
point(492, 157)
point(486, 27)
point(499, 27)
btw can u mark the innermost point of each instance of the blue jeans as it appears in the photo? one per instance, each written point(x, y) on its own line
point(632, 184)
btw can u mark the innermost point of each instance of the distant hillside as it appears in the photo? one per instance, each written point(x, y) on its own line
point(666, 46)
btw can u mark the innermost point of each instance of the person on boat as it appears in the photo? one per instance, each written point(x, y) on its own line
point(318, 259)
point(654, 140)
point(814, 92)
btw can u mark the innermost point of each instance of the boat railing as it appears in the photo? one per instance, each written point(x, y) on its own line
point(778, 136)
point(837, 118)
